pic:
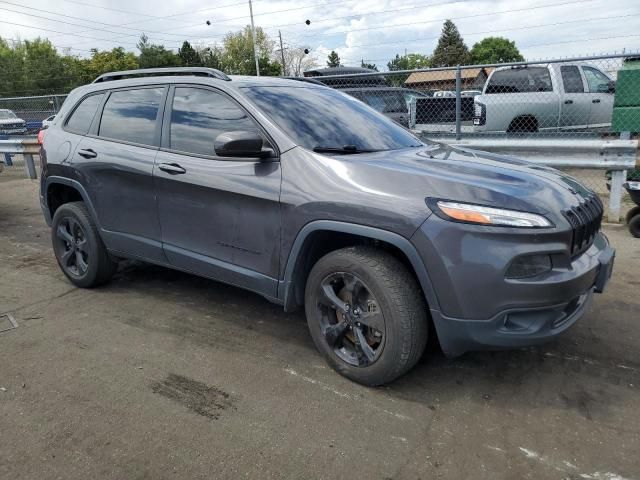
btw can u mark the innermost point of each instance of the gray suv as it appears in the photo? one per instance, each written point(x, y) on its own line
point(312, 199)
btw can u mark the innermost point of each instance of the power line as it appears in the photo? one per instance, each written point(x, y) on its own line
point(467, 34)
point(589, 39)
point(380, 27)
point(75, 18)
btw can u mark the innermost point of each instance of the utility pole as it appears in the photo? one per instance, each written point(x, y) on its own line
point(253, 35)
point(284, 68)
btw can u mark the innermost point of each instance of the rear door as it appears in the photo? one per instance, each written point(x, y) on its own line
point(575, 102)
point(115, 162)
point(601, 100)
point(220, 217)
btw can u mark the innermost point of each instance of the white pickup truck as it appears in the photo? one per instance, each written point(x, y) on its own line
point(566, 96)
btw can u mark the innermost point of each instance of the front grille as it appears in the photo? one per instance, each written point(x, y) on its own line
point(11, 126)
point(585, 220)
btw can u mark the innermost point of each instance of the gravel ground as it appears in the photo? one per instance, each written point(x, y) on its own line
point(165, 375)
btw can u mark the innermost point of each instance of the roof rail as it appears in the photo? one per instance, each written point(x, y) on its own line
point(150, 72)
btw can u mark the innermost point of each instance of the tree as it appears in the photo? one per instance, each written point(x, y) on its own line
point(237, 53)
point(451, 49)
point(333, 59)
point(111, 61)
point(297, 61)
point(370, 66)
point(154, 56)
point(495, 50)
point(409, 62)
point(211, 57)
point(189, 56)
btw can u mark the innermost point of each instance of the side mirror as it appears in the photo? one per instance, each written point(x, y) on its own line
point(607, 87)
point(240, 144)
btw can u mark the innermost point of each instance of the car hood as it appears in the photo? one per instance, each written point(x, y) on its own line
point(461, 174)
point(11, 121)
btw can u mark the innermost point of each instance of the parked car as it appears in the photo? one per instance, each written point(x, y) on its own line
point(470, 93)
point(545, 97)
point(11, 124)
point(391, 101)
point(48, 121)
point(312, 199)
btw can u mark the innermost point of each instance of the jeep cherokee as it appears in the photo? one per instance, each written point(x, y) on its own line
point(309, 197)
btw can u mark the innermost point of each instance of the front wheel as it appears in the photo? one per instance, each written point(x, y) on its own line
point(366, 314)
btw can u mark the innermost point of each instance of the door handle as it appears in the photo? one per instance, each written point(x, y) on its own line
point(172, 168)
point(87, 153)
point(595, 100)
point(568, 102)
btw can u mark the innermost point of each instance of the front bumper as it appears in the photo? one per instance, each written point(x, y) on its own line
point(478, 308)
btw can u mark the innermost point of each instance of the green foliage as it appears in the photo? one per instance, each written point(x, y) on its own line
point(111, 61)
point(333, 59)
point(237, 53)
point(155, 56)
point(411, 61)
point(371, 66)
point(495, 50)
point(451, 49)
point(36, 67)
point(189, 56)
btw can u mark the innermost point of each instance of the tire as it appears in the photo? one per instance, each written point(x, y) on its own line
point(382, 292)
point(78, 248)
point(632, 213)
point(634, 226)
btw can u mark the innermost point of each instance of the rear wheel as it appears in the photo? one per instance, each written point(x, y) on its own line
point(634, 226)
point(78, 248)
point(366, 314)
point(632, 213)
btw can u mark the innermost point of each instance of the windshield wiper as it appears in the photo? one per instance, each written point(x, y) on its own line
point(344, 150)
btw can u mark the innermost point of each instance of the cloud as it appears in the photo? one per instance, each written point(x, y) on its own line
point(373, 30)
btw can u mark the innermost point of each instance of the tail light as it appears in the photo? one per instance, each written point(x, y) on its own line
point(41, 136)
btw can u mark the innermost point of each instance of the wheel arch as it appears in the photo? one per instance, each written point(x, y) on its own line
point(61, 190)
point(323, 236)
point(525, 122)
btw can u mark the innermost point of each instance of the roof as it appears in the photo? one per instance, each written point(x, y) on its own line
point(321, 72)
point(445, 75)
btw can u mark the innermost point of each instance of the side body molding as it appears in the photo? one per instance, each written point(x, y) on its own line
point(286, 285)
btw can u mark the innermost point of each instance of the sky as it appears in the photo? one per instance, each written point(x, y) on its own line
point(373, 30)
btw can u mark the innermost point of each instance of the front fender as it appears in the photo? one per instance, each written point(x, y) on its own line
point(286, 285)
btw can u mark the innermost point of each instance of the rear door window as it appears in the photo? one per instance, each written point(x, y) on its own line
point(572, 79)
point(131, 115)
point(385, 102)
point(520, 80)
point(82, 116)
point(198, 116)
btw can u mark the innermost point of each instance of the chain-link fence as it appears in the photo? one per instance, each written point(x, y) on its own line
point(594, 97)
point(24, 115)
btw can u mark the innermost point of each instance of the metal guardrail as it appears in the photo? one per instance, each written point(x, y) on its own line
point(25, 146)
point(616, 156)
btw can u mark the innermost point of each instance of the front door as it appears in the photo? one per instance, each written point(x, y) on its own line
point(220, 217)
point(600, 96)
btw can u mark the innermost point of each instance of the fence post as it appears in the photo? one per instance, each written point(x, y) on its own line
point(615, 195)
point(412, 113)
point(458, 101)
point(30, 166)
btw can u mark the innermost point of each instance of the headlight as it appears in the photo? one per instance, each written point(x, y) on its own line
point(469, 213)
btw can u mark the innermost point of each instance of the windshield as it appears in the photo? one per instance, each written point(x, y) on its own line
point(321, 117)
point(6, 115)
